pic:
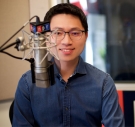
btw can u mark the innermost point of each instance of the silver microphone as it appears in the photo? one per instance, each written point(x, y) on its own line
point(41, 69)
point(40, 45)
point(42, 64)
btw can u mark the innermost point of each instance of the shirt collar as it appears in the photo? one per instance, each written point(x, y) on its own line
point(80, 69)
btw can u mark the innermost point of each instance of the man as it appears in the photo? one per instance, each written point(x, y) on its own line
point(82, 96)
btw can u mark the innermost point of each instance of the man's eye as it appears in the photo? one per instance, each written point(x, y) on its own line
point(59, 33)
point(75, 33)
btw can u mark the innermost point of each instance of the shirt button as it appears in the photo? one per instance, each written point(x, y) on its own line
point(66, 108)
point(66, 87)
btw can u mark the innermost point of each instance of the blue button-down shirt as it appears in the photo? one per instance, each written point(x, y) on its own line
point(88, 99)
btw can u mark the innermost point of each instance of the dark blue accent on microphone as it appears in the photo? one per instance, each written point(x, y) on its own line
point(40, 27)
point(34, 29)
point(47, 26)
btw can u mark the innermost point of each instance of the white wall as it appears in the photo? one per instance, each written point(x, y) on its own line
point(39, 8)
point(12, 16)
point(4, 113)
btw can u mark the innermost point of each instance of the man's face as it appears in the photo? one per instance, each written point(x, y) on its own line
point(67, 48)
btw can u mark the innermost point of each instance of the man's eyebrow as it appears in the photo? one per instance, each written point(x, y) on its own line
point(76, 28)
point(57, 28)
point(60, 28)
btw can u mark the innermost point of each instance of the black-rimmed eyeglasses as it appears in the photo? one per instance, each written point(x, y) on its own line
point(73, 34)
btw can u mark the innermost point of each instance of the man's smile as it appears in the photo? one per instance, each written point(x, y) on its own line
point(67, 51)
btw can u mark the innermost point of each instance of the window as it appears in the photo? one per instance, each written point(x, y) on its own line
point(111, 42)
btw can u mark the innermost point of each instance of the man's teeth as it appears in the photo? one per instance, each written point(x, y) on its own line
point(66, 50)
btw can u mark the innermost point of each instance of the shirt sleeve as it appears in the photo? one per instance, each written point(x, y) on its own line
point(22, 114)
point(112, 115)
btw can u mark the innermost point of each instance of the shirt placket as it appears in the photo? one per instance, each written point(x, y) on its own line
point(66, 107)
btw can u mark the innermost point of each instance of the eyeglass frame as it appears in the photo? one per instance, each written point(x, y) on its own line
point(69, 34)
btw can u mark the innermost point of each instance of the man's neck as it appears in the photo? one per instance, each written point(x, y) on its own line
point(66, 69)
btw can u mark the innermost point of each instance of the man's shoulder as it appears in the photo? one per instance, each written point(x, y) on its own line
point(89, 68)
point(96, 73)
point(92, 69)
point(26, 77)
point(27, 74)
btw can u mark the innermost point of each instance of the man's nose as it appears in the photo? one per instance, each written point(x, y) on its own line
point(67, 39)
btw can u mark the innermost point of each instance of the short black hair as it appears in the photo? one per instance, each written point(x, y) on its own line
point(67, 8)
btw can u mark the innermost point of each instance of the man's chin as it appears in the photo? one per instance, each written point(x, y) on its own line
point(68, 59)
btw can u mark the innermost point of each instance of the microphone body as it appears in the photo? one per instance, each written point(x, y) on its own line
point(41, 66)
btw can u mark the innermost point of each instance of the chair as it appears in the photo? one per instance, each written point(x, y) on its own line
point(11, 111)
